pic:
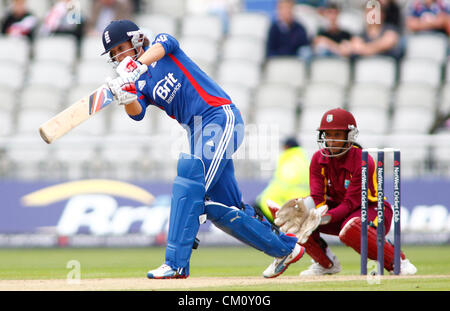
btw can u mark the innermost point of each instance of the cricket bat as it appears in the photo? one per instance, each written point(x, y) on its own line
point(75, 114)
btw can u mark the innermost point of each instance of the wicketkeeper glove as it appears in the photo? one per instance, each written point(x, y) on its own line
point(299, 216)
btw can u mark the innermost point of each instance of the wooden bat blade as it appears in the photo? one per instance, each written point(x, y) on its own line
point(75, 114)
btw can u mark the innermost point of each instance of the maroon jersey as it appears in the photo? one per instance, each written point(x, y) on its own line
point(337, 183)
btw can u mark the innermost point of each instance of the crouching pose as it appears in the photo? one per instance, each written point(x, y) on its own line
point(161, 74)
point(334, 205)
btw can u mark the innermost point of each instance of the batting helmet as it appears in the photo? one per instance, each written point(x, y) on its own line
point(120, 31)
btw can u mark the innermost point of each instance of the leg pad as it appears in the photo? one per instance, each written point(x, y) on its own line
point(243, 225)
point(350, 235)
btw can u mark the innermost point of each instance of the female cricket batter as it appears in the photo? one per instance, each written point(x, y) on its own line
point(161, 74)
point(335, 181)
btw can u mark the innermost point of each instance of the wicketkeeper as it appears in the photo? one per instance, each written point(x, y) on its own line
point(334, 205)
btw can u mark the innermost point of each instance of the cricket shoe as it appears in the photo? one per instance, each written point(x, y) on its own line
point(165, 272)
point(279, 265)
point(318, 269)
point(406, 268)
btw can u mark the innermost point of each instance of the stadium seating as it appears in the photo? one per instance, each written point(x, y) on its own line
point(370, 95)
point(174, 8)
point(30, 118)
point(249, 24)
point(370, 104)
point(77, 92)
point(209, 26)
point(93, 72)
point(447, 72)
point(39, 8)
point(122, 158)
point(416, 95)
point(330, 70)
point(44, 97)
point(427, 46)
point(395, 102)
point(310, 120)
point(415, 108)
point(323, 96)
point(12, 75)
point(95, 126)
point(8, 110)
point(309, 18)
point(91, 49)
point(377, 69)
point(158, 23)
point(6, 122)
point(280, 122)
point(123, 125)
point(415, 120)
point(58, 48)
point(245, 48)
point(352, 20)
point(371, 120)
point(201, 49)
point(287, 70)
point(239, 71)
point(242, 97)
point(28, 159)
point(51, 74)
point(444, 107)
point(367, 140)
point(77, 157)
point(414, 152)
point(424, 71)
point(14, 49)
point(441, 153)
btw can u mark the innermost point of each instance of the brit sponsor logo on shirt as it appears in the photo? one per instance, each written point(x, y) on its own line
point(166, 88)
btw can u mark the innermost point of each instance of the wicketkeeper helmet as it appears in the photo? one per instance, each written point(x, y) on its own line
point(337, 119)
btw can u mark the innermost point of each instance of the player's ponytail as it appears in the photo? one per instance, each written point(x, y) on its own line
point(146, 42)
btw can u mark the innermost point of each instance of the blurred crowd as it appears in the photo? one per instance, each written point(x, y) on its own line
point(64, 18)
point(386, 23)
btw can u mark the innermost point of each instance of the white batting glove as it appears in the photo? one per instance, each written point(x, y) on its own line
point(130, 69)
point(124, 91)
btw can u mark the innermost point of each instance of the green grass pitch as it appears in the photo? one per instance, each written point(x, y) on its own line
point(433, 263)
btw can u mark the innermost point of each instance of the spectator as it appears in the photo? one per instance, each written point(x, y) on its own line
point(392, 13)
point(105, 11)
point(291, 178)
point(429, 15)
point(314, 3)
point(64, 18)
point(286, 35)
point(18, 21)
point(332, 41)
point(378, 38)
